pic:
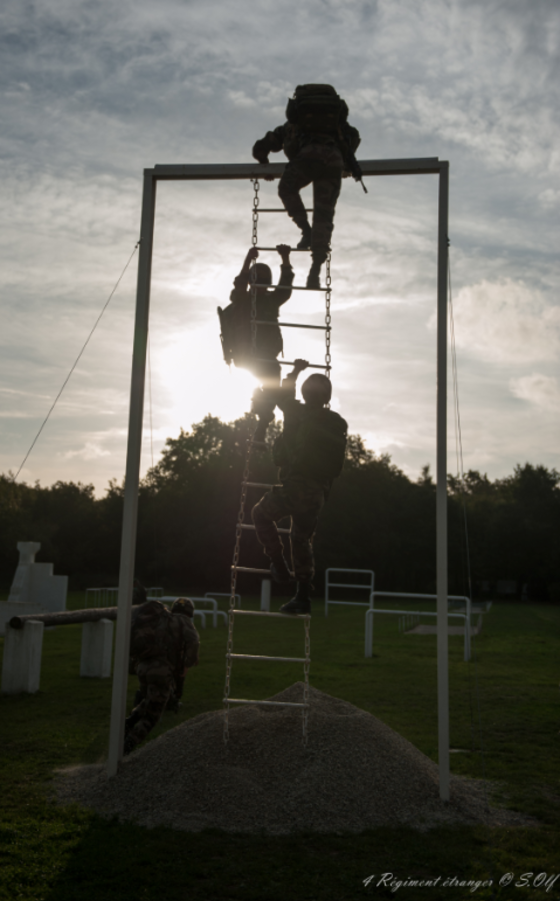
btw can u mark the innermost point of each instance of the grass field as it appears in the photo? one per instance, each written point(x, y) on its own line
point(504, 722)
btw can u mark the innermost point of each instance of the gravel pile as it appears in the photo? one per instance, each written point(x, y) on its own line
point(355, 774)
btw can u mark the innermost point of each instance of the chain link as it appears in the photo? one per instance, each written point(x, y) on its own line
point(306, 680)
point(328, 357)
point(236, 552)
point(254, 241)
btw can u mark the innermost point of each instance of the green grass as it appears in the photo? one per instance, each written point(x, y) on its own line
point(506, 701)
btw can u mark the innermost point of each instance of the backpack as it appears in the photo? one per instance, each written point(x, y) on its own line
point(317, 449)
point(316, 108)
point(152, 631)
point(235, 335)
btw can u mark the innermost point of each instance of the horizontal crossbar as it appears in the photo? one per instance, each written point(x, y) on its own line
point(262, 657)
point(263, 703)
point(205, 171)
point(251, 569)
point(325, 328)
point(257, 485)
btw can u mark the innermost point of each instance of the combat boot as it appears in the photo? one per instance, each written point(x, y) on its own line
point(305, 240)
point(301, 603)
point(313, 280)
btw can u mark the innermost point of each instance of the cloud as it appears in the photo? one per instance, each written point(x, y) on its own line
point(541, 390)
point(506, 321)
point(88, 452)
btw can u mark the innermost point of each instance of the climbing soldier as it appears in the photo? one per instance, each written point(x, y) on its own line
point(320, 145)
point(260, 357)
point(163, 646)
point(310, 453)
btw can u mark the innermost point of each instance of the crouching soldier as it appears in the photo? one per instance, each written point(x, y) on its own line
point(310, 453)
point(163, 646)
point(320, 145)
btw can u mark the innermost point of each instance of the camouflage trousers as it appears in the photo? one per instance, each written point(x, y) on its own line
point(302, 500)
point(157, 686)
point(320, 164)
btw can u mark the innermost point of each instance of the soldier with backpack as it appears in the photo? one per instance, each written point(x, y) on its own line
point(320, 145)
point(163, 646)
point(310, 453)
point(235, 322)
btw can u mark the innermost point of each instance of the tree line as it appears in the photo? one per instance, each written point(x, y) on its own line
point(376, 518)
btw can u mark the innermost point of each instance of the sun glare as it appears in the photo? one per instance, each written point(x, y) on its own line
point(195, 381)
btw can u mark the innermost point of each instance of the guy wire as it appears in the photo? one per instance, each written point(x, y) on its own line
point(77, 360)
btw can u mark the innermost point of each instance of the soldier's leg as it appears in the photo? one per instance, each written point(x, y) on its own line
point(326, 190)
point(271, 508)
point(297, 175)
point(304, 524)
point(160, 685)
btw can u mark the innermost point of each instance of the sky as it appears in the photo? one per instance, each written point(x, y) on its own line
point(94, 92)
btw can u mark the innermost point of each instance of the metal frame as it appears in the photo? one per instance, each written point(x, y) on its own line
point(425, 166)
point(403, 594)
point(365, 587)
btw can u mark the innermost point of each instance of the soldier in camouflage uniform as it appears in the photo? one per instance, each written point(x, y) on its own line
point(235, 323)
point(310, 452)
point(317, 143)
point(163, 646)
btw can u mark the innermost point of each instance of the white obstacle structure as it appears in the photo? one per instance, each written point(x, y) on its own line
point(34, 587)
point(97, 649)
point(21, 666)
point(373, 610)
point(366, 585)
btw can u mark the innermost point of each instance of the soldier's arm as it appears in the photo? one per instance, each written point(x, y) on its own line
point(284, 292)
point(272, 142)
point(353, 138)
point(287, 394)
point(241, 281)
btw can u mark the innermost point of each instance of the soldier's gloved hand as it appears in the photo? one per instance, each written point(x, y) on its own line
point(260, 153)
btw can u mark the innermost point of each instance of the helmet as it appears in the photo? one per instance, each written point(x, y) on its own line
point(183, 606)
point(263, 274)
point(317, 389)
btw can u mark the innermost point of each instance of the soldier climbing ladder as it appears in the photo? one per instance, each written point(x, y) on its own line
point(248, 484)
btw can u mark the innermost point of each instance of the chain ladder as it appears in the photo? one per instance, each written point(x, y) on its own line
point(328, 357)
point(236, 552)
point(306, 679)
point(254, 242)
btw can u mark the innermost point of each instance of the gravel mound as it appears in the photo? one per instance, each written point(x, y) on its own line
point(355, 774)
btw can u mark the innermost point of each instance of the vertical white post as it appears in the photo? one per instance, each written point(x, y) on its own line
point(132, 477)
point(265, 595)
point(441, 488)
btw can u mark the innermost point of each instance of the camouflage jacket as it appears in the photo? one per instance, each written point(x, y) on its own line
point(313, 441)
point(269, 301)
point(157, 633)
point(291, 140)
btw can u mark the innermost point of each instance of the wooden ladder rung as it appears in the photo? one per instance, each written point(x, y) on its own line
point(325, 328)
point(263, 657)
point(288, 363)
point(287, 287)
point(263, 703)
point(252, 528)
